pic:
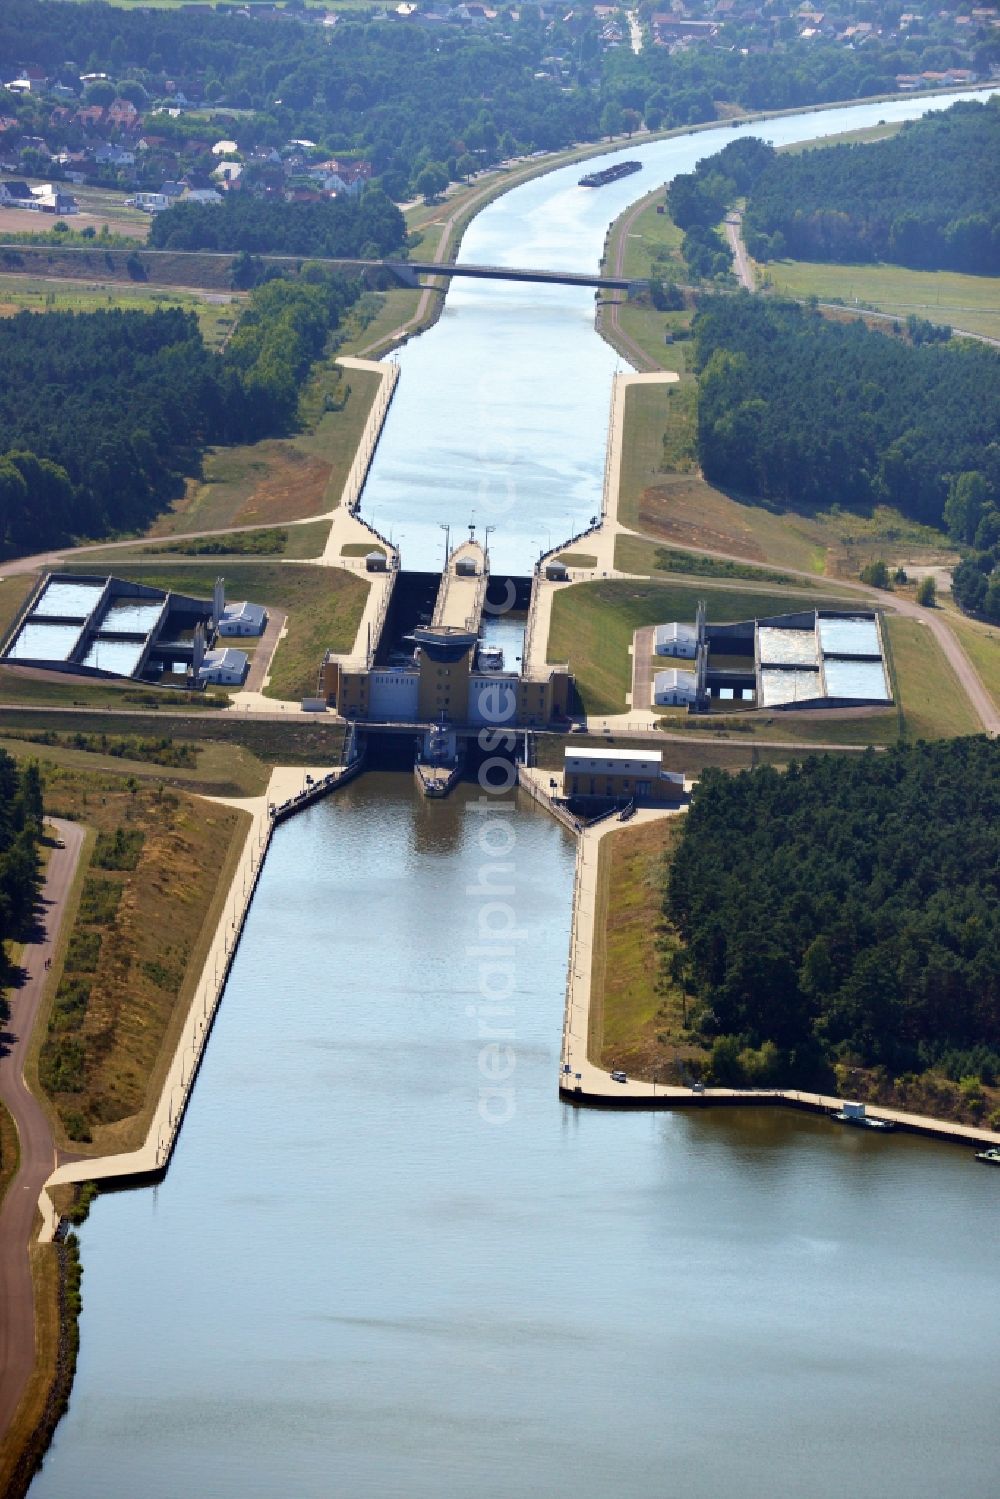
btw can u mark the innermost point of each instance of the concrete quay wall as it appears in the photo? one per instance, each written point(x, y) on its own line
point(388, 373)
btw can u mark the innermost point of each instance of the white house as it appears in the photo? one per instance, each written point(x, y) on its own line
point(675, 688)
point(676, 640)
point(225, 668)
point(242, 619)
point(114, 156)
point(51, 200)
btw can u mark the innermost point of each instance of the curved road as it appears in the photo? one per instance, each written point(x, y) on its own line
point(38, 1154)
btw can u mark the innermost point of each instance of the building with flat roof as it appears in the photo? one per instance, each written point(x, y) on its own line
point(597, 774)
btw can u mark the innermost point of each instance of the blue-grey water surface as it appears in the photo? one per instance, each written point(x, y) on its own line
point(500, 415)
point(351, 1283)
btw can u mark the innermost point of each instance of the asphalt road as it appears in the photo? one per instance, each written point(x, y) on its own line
point(37, 1147)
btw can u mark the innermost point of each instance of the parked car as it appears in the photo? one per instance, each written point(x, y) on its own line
point(619, 1077)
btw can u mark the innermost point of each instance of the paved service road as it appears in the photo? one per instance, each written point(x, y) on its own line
point(37, 1148)
point(734, 234)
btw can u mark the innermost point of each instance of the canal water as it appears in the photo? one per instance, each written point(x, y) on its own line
point(500, 415)
point(386, 1261)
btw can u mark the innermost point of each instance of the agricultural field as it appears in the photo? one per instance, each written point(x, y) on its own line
point(971, 303)
point(217, 312)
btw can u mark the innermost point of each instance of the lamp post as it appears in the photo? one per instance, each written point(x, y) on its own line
point(446, 528)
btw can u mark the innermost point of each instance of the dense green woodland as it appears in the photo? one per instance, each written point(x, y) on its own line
point(102, 413)
point(405, 95)
point(801, 410)
point(928, 197)
point(367, 228)
point(848, 909)
point(20, 831)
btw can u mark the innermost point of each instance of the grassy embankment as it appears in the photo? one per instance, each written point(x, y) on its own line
point(152, 881)
point(981, 643)
point(691, 753)
point(197, 270)
point(160, 759)
point(40, 1400)
point(662, 495)
point(932, 703)
point(637, 1013)
point(232, 753)
point(281, 479)
point(324, 607)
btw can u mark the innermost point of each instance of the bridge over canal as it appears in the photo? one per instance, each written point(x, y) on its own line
point(408, 271)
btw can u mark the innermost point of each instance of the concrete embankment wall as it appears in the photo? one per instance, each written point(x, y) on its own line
point(388, 373)
point(529, 781)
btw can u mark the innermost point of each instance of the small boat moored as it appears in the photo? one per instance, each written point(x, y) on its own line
point(991, 1155)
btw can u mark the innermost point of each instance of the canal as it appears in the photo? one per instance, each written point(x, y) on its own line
point(385, 1260)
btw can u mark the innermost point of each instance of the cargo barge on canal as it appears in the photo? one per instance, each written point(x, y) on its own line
point(611, 174)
